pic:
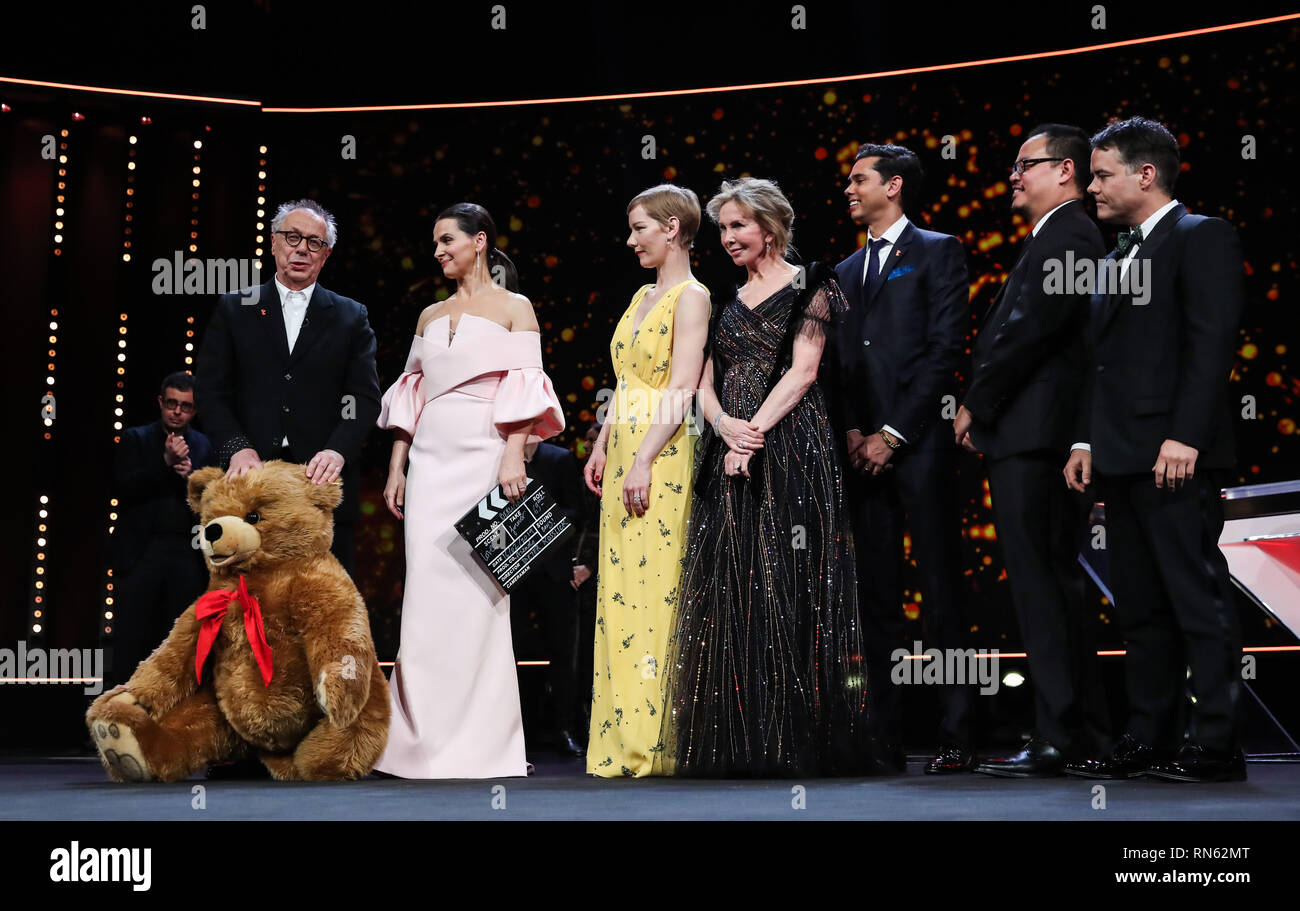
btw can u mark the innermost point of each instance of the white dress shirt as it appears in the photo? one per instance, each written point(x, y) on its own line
point(1147, 227)
point(890, 237)
point(293, 306)
point(1038, 225)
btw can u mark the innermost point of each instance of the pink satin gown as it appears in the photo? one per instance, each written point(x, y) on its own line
point(454, 689)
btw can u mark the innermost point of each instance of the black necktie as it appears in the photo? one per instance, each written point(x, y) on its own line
point(873, 268)
point(1128, 239)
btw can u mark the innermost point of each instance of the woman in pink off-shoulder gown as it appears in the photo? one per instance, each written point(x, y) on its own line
point(472, 393)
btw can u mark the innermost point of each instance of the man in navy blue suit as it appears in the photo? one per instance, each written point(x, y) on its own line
point(156, 569)
point(899, 350)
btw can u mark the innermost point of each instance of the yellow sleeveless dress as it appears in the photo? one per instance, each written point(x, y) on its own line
point(640, 557)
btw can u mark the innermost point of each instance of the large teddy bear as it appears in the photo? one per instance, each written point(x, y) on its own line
point(275, 661)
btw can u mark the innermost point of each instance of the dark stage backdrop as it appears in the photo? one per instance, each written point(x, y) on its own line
point(557, 178)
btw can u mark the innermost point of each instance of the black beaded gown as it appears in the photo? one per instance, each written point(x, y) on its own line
point(766, 670)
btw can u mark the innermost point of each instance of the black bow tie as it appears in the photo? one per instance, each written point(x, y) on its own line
point(1128, 239)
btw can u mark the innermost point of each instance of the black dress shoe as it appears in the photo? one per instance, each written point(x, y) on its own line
point(1038, 759)
point(950, 760)
point(237, 770)
point(567, 745)
point(1195, 763)
point(1129, 759)
point(886, 759)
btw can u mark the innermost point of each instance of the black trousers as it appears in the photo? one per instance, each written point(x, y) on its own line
point(1173, 597)
point(919, 493)
point(556, 604)
point(166, 579)
point(1040, 523)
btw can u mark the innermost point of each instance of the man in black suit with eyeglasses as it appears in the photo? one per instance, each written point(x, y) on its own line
point(287, 370)
point(1019, 412)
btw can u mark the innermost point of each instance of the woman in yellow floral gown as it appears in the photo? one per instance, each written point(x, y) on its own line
point(641, 468)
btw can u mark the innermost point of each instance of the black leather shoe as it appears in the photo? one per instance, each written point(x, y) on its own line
point(1129, 759)
point(236, 770)
point(567, 745)
point(950, 760)
point(1195, 763)
point(887, 759)
point(1038, 759)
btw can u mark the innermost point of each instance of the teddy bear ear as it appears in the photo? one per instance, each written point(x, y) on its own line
point(326, 496)
point(199, 481)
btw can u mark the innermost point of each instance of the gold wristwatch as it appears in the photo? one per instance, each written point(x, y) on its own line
point(891, 441)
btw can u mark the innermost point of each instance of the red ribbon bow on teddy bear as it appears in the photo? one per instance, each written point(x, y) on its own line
point(211, 609)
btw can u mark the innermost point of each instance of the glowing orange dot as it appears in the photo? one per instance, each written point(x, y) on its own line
point(1273, 379)
point(1286, 426)
point(1016, 129)
point(821, 153)
point(588, 382)
point(1249, 351)
point(534, 201)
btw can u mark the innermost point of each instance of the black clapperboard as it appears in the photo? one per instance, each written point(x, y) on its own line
point(512, 538)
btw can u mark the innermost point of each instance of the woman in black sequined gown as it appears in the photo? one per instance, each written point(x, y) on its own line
point(766, 674)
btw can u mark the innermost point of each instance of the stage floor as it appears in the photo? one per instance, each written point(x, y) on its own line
point(76, 788)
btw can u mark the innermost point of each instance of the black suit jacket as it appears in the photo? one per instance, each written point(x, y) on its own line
point(325, 395)
point(900, 350)
point(1029, 355)
point(151, 496)
point(1160, 370)
point(557, 469)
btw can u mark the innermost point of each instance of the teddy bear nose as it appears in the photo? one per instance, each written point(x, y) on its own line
point(212, 532)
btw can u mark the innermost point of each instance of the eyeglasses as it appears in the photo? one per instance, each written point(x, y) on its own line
point(293, 238)
point(1024, 164)
point(172, 405)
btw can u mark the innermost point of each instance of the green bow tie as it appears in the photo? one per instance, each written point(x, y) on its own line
point(1128, 239)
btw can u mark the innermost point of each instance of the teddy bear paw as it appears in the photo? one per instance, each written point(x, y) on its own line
point(120, 751)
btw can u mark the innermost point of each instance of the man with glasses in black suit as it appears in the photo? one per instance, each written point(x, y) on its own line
point(157, 571)
point(287, 370)
point(1019, 411)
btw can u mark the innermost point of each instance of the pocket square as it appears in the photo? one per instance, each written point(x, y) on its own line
point(900, 271)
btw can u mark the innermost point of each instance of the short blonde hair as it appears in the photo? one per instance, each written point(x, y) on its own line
point(763, 200)
point(671, 201)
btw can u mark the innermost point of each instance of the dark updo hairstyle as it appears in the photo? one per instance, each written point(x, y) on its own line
point(473, 218)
